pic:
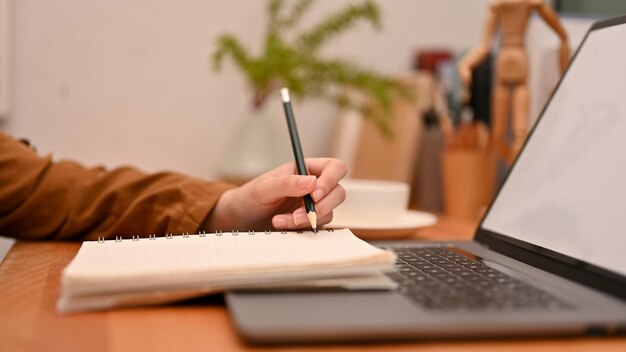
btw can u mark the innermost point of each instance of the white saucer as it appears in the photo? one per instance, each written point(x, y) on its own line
point(402, 227)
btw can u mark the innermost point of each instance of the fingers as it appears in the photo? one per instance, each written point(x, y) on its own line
point(298, 220)
point(317, 166)
point(325, 190)
point(323, 209)
point(331, 201)
point(330, 172)
point(314, 166)
point(268, 190)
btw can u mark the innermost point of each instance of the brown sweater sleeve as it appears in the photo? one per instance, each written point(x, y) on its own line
point(42, 199)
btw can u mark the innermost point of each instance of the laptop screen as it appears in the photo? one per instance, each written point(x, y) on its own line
point(567, 190)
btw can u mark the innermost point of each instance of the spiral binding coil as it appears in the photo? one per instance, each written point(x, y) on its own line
point(202, 234)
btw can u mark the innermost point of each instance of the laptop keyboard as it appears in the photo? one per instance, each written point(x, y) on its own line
point(443, 279)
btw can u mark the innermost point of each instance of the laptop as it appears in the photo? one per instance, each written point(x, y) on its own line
point(548, 258)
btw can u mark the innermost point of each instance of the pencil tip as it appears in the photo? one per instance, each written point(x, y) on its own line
point(313, 220)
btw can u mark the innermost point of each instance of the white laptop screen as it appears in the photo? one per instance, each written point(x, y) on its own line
point(567, 190)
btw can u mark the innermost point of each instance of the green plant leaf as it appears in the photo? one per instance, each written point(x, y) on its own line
point(339, 22)
point(290, 58)
point(229, 45)
point(297, 11)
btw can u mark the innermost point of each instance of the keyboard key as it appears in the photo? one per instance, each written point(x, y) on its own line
point(439, 278)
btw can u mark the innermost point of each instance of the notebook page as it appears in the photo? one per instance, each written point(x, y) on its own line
point(218, 255)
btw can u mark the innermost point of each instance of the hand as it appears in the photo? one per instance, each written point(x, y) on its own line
point(274, 199)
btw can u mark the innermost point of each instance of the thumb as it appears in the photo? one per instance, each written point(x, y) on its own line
point(272, 189)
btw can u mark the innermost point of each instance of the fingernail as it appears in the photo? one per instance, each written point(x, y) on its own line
point(306, 181)
point(299, 218)
point(318, 194)
point(280, 222)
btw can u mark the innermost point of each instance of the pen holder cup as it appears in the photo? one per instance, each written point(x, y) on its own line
point(469, 181)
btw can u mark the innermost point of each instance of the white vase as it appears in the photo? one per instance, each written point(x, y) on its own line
point(251, 150)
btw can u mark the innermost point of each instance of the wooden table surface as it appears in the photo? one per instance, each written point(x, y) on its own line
point(29, 285)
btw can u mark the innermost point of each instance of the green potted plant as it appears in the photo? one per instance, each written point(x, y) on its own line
point(290, 57)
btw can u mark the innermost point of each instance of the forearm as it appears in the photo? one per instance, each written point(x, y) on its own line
point(41, 199)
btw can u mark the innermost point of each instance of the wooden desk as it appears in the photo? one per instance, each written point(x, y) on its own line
point(29, 283)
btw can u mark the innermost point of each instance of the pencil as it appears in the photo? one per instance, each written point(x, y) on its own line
point(297, 153)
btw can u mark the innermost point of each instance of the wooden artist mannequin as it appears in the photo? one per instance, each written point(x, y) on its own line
point(511, 95)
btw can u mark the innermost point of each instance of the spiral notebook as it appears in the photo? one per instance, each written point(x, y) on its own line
point(141, 271)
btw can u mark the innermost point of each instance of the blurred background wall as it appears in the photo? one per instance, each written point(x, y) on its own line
point(129, 81)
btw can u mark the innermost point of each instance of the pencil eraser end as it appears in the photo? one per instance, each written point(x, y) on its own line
point(284, 92)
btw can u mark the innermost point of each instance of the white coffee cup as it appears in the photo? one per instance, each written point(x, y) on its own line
point(372, 202)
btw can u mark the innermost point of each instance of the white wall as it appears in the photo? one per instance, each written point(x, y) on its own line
point(128, 81)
